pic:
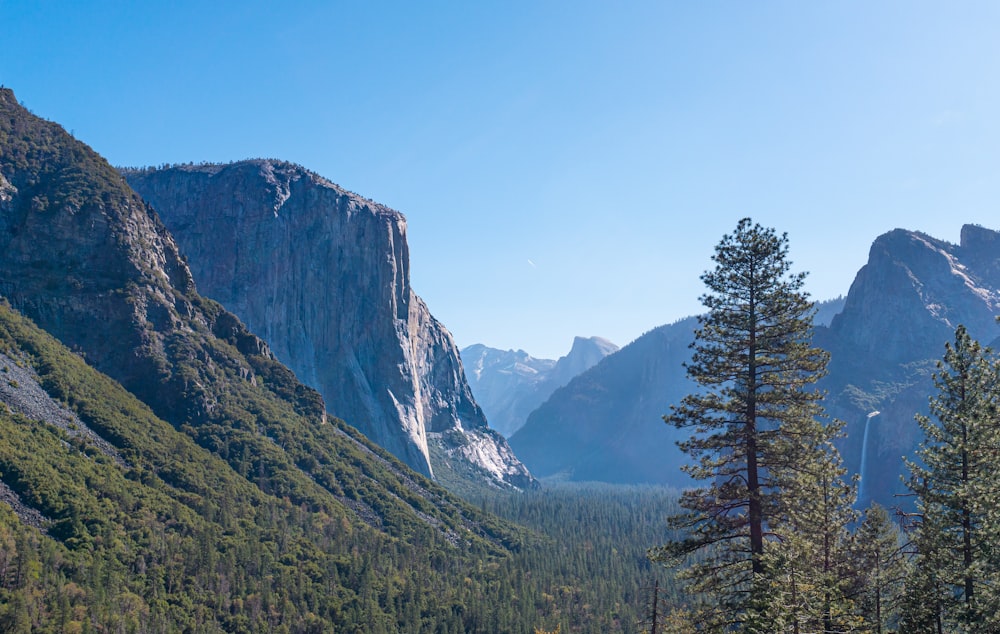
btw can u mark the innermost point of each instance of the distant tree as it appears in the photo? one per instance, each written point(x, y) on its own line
point(881, 566)
point(956, 483)
point(756, 435)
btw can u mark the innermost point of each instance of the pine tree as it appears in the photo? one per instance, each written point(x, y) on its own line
point(955, 482)
point(923, 602)
point(812, 559)
point(755, 426)
point(880, 568)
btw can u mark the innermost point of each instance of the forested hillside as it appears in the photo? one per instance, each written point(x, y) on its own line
point(150, 532)
point(147, 531)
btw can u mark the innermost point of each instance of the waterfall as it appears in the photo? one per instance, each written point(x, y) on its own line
point(864, 455)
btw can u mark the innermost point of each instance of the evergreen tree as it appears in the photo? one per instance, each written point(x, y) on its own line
point(880, 569)
point(812, 559)
point(923, 602)
point(955, 482)
point(756, 436)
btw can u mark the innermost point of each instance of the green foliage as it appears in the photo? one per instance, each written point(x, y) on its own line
point(810, 564)
point(957, 485)
point(771, 525)
point(589, 568)
point(177, 539)
point(881, 567)
point(180, 539)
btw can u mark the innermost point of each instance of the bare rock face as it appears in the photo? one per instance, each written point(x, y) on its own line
point(914, 290)
point(903, 306)
point(323, 276)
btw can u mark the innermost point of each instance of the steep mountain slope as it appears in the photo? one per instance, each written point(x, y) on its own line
point(288, 502)
point(510, 384)
point(605, 424)
point(116, 520)
point(903, 306)
point(323, 276)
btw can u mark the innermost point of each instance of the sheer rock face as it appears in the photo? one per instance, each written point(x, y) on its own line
point(914, 290)
point(510, 384)
point(323, 276)
point(903, 306)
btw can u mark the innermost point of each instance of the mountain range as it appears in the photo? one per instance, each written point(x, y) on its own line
point(162, 469)
point(177, 365)
point(884, 339)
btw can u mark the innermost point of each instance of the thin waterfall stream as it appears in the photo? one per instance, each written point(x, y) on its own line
point(864, 455)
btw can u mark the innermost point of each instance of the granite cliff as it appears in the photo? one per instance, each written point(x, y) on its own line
point(927, 284)
point(323, 275)
point(903, 306)
point(510, 384)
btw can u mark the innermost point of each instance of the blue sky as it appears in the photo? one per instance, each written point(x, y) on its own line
point(565, 167)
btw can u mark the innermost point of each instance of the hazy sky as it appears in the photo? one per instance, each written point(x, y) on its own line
point(565, 167)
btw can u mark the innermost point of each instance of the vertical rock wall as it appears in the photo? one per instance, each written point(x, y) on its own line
point(323, 276)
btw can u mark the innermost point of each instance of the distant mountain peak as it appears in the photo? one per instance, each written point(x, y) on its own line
point(509, 384)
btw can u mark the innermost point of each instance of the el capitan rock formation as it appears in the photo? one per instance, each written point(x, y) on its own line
point(323, 276)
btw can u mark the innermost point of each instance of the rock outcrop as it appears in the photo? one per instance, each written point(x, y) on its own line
point(323, 275)
point(510, 384)
point(903, 306)
point(85, 258)
point(913, 292)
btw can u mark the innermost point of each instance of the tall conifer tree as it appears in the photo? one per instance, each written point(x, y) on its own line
point(955, 480)
point(880, 567)
point(755, 437)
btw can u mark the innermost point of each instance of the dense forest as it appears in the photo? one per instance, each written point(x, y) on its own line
point(592, 558)
point(149, 533)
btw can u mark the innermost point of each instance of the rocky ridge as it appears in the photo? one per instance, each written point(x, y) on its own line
point(902, 308)
point(510, 384)
point(323, 275)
